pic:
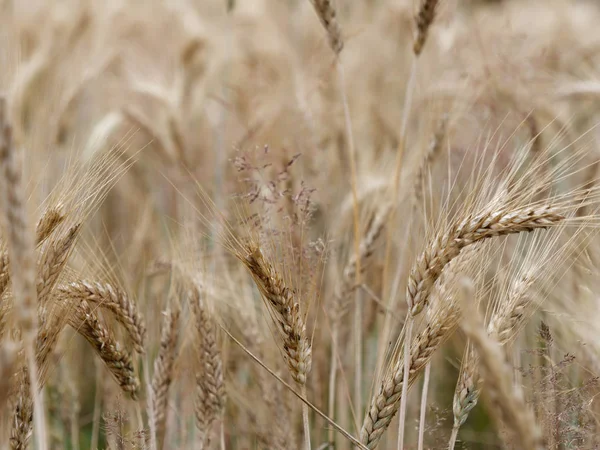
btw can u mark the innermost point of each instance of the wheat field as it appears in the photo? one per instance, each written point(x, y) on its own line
point(299, 224)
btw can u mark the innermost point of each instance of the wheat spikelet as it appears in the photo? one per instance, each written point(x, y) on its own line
point(108, 297)
point(23, 413)
point(8, 367)
point(49, 221)
point(86, 323)
point(4, 273)
point(53, 261)
point(504, 322)
point(467, 389)
point(327, 15)
point(163, 370)
point(286, 313)
point(424, 19)
point(210, 388)
point(506, 396)
point(448, 245)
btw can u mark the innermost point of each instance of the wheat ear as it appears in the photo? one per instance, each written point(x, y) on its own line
point(53, 261)
point(506, 395)
point(387, 401)
point(164, 370)
point(281, 301)
point(49, 222)
point(107, 296)
point(88, 324)
point(448, 245)
point(502, 327)
point(467, 391)
point(328, 17)
point(424, 19)
point(210, 387)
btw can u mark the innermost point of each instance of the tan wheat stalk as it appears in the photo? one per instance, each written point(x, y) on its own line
point(20, 238)
point(53, 261)
point(109, 297)
point(21, 250)
point(327, 15)
point(424, 19)
point(164, 371)
point(210, 387)
point(506, 395)
point(88, 324)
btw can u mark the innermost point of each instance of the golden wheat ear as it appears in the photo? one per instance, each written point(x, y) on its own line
point(110, 298)
point(164, 371)
point(118, 362)
point(210, 386)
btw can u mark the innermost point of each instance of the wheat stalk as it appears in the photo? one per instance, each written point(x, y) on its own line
point(21, 250)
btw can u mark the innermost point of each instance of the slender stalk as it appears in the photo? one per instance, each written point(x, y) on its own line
point(424, 405)
point(403, 399)
point(332, 383)
point(305, 421)
point(453, 437)
point(97, 408)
